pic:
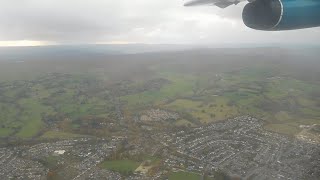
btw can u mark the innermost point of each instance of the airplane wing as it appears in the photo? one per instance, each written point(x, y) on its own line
point(273, 15)
point(219, 3)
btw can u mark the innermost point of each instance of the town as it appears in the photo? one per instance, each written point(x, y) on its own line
point(239, 147)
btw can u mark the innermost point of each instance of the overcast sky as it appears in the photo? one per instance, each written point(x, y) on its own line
point(132, 21)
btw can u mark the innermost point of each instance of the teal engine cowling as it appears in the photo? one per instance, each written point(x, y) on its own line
point(276, 15)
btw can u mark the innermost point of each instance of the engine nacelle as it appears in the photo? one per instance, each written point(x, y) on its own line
point(276, 15)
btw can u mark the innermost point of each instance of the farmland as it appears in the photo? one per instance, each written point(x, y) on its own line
point(35, 103)
point(171, 115)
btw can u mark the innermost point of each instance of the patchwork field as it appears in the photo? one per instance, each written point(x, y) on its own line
point(84, 98)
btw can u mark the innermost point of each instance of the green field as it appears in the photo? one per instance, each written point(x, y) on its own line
point(289, 129)
point(184, 122)
point(178, 87)
point(211, 110)
point(121, 166)
point(181, 175)
point(5, 132)
point(60, 135)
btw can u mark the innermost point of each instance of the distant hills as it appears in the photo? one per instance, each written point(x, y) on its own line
point(56, 51)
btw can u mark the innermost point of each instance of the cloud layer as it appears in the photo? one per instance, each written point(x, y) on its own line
point(138, 21)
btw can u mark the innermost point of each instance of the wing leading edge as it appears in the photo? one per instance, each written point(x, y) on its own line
point(219, 3)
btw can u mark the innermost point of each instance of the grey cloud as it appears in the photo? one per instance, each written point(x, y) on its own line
point(142, 21)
